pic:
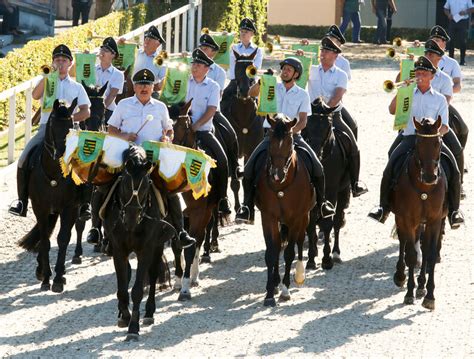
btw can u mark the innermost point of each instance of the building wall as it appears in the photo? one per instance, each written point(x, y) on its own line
point(301, 12)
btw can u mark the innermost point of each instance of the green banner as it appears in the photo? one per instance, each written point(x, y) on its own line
point(181, 59)
point(417, 51)
point(404, 105)
point(313, 48)
point(90, 145)
point(306, 62)
point(225, 42)
point(126, 57)
point(267, 102)
point(50, 91)
point(85, 68)
point(175, 86)
point(407, 69)
point(152, 150)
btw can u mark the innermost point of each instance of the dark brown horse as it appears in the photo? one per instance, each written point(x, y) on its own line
point(285, 196)
point(420, 206)
point(127, 90)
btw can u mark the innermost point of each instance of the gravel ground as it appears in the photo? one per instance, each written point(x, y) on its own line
point(353, 310)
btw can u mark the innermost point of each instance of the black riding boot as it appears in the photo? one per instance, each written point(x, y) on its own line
point(176, 214)
point(246, 212)
point(94, 234)
point(381, 213)
point(21, 207)
point(358, 188)
point(455, 217)
point(326, 209)
point(85, 194)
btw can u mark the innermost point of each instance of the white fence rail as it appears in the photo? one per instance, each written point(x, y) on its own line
point(181, 29)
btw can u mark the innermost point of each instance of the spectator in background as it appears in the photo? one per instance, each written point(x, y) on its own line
point(389, 24)
point(11, 18)
point(80, 9)
point(380, 8)
point(351, 14)
point(458, 12)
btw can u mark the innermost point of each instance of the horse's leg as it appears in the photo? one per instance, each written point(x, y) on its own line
point(206, 256)
point(121, 271)
point(300, 275)
point(271, 234)
point(80, 225)
point(410, 260)
point(399, 277)
point(431, 237)
point(178, 267)
point(153, 272)
point(421, 291)
point(338, 224)
point(235, 187)
point(67, 219)
point(289, 256)
point(312, 240)
point(326, 226)
point(215, 233)
point(440, 241)
point(197, 229)
point(189, 256)
point(46, 224)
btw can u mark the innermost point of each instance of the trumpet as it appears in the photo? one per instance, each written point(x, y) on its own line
point(46, 69)
point(163, 56)
point(390, 52)
point(389, 85)
point(251, 71)
point(397, 41)
point(91, 36)
point(205, 30)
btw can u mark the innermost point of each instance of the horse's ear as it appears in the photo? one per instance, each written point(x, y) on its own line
point(253, 54)
point(56, 105)
point(73, 106)
point(148, 165)
point(127, 71)
point(438, 123)
point(271, 120)
point(102, 89)
point(187, 107)
point(236, 54)
point(418, 125)
point(87, 88)
point(292, 123)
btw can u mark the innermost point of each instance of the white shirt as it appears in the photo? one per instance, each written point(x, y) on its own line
point(344, 65)
point(242, 50)
point(324, 83)
point(442, 83)
point(430, 104)
point(217, 74)
point(131, 114)
point(68, 90)
point(204, 94)
point(115, 79)
point(456, 6)
point(143, 61)
point(450, 66)
point(292, 102)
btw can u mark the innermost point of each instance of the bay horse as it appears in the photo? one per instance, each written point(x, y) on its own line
point(285, 196)
point(331, 148)
point(52, 196)
point(241, 111)
point(419, 203)
point(133, 222)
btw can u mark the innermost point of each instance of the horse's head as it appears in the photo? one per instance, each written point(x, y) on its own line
point(127, 90)
point(58, 126)
point(428, 149)
point(135, 186)
point(96, 96)
point(318, 129)
point(182, 125)
point(243, 81)
point(281, 147)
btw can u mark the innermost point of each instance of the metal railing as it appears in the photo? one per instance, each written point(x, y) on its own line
point(180, 29)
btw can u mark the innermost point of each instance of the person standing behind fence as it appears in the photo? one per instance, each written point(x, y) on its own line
point(458, 12)
point(80, 9)
point(380, 8)
point(351, 13)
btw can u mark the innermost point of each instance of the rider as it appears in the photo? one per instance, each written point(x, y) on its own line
point(330, 83)
point(108, 73)
point(68, 90)
point(292, 101)
point(209, 46)
point(130, 122)
point(206, 94)
point(247, 30)
point(427, 103)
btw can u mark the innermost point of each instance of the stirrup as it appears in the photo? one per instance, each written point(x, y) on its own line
point(328, 204)
point(456, 225)
point(241, 212)
point(17, 210)
point(239, 173)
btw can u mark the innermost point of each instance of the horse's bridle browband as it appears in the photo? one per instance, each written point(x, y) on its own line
point(429, 135)
point(141, 207)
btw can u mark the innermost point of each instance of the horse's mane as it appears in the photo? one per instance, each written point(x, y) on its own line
point(134, 158)
point(280, 130)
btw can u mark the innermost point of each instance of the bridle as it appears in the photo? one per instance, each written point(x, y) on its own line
point(51, 147)
point(436, 162)
point(328, 135)
point(141, 206)
point(271, 167)
point(188, 132)
point(242, 60)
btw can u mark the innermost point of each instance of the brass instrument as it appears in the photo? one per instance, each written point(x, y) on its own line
point(251, 71)
point(390, 52)
point(397, 41)
point(46, 69)
point(91, 36)
point(389, 85)
point(161, 58)
point(205, 30)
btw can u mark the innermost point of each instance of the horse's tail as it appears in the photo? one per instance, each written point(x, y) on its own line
point(31, 239)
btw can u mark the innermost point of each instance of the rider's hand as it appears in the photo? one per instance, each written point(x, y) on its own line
point(121, 41)
point(269, 72)
point(304, 42)
point(299, 52)
point(131, 137)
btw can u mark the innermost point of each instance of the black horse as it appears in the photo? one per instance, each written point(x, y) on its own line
point(52, 196)
point(133, 222)
point(331, 147)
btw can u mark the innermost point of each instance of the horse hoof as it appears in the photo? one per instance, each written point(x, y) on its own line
point(399, 281)
point(327, 263)
point(420, 293)
point(205, 259)
point(45, 287)
point(275, 291)
point(63, 280)
point(57, 287)
point(163, 287)
point(409, 300)
point(194, 283)
point(284, 297)
point(148, 321)
point(428, 303)
point(76, 260)
point(184, 296)
point(122, 323)
point(438, 259)
point(39, 274)
point(132, 337)
point(215, 249)
point(311, 265)
point(269, 302)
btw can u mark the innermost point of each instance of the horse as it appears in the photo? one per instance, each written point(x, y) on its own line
point(419, 203)
point(127, 90)
point(133, 222)
point(241, 111)
point(330, 147)
point(285, 196)
point(52, 196)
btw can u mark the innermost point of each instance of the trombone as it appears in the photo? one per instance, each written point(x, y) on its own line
point(389, 85)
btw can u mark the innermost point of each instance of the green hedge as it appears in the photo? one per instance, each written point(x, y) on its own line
point(367, 33)
point(225, 15)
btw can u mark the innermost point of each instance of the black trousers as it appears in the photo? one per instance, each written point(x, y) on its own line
point(340, 125)
point(210, 141)
point(349, 121)
point(455, 120)
point(80, 10)
point(223, 124)
point(10, 20)
point(458, 33)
